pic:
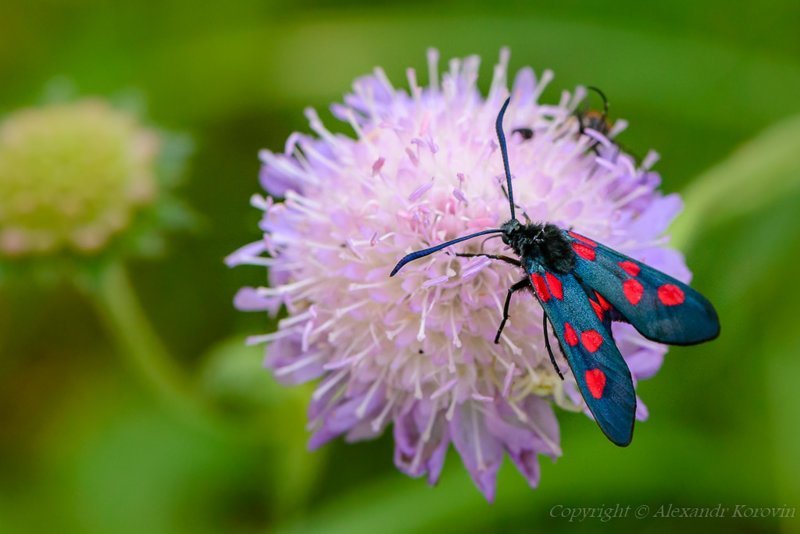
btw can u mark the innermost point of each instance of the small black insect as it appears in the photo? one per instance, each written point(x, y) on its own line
point(525, 133)
point(592, 119)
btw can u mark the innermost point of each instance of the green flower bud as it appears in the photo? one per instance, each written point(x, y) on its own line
point(71, 177)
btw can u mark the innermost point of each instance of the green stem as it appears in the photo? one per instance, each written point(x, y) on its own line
point(756, 174)
point(143, 351)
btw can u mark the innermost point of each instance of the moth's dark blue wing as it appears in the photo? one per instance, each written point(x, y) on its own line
point(660, 307)
point(602, 375)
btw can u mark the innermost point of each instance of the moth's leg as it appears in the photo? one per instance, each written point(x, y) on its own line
point(500, 257)
point(483, 243)
point(547, 344)
point(522, 284)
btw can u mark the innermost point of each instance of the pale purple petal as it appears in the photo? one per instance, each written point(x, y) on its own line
point(480, 450)
point(421, 441)
point(290, 364)
point(642, 413)
point(249, 299)
point(246, 253)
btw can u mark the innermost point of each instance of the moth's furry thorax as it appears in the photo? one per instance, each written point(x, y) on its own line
point(543, 243)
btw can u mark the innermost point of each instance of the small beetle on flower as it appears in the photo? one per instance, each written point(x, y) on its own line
point(417, 351)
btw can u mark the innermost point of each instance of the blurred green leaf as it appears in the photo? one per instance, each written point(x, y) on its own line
point(782, 371)
point(579, 51)
point(232, 373)
point(591, 473)
point(233, 376)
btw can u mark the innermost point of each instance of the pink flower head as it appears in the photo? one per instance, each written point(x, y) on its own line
point(416, 351)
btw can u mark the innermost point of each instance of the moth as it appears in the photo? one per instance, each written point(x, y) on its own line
point(583, 286)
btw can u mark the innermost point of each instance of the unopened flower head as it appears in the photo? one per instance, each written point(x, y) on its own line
point(416, 352)
point(71, 176)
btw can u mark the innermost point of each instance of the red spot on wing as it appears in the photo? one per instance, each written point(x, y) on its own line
point(592, 340)
point(630, 267)
point(584, 240)
point(671, 295)
point(596, 382)
point(555, 286)
point(540, 287)
point(569, 335)
point(598, 309)
point(604, 304)
point(633, 291)
point(585, 252)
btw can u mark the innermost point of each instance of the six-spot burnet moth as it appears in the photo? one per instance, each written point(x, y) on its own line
point(582, 287)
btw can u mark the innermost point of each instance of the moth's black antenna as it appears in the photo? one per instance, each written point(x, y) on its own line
point(605, 100)
point(504, 151)
point(425, 252)
point(505, 194)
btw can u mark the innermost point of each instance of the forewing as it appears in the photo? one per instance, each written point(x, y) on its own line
point(660, 307)
point(602, 375)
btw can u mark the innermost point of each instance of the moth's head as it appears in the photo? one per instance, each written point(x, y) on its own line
point(510, 230)
point(524, 239)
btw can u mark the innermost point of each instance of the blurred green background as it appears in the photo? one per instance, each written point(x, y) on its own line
point(88, 445)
